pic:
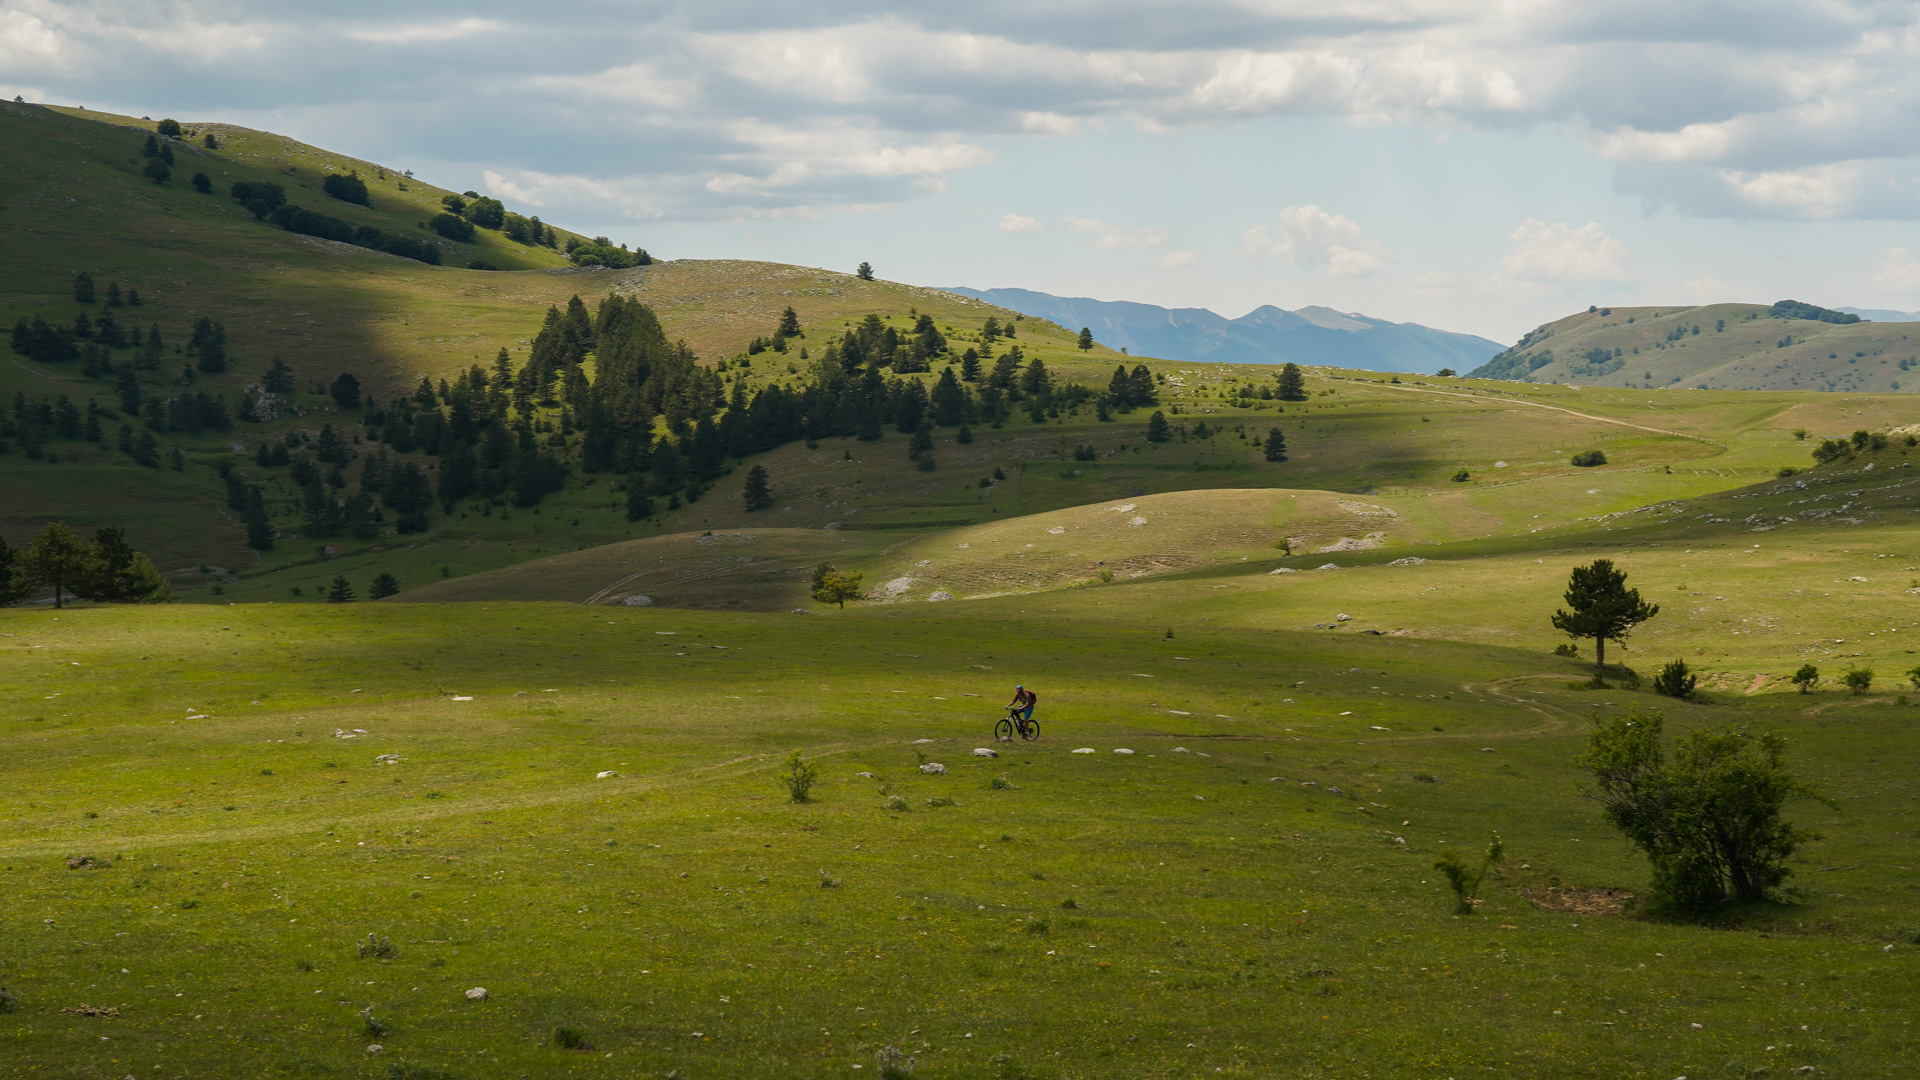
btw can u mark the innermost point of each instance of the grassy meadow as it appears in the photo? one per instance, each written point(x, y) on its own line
point(1249, 893)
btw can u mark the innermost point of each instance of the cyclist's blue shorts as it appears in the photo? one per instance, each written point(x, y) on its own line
point(1024, 714)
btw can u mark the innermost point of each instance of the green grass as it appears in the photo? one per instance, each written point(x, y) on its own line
point(1221, 919)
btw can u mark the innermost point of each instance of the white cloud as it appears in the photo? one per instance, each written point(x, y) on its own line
point(1019, 223)
point(1176, 260)
point(1112, 237)
point(1898, 272)
point(410, 33)
point(1313, 238)
point(1544, 253)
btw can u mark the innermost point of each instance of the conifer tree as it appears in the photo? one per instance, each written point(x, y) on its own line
point(970, 365)
point(383, 586)
point(113, 295)
point(789, 324)
point(1276, 449)
point(1604, 609)
point(1086, 339)
point(865, 273)
point(758, 493)
point(13, 579)
point(1157, 429)
point(82, 289)
point(259, 527)
point(639, 503)
point(119, 573)
point(340, 592)
point(345, 391)
point(1293, 385)
point(58, 559)
point(277, 380)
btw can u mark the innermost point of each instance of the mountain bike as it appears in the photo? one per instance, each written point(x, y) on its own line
point(1012, 722)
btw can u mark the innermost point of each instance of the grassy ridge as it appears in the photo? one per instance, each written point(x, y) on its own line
point(673, 912)
point(1736, 347)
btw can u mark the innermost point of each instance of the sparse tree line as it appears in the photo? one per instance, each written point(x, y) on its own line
point(105, 569)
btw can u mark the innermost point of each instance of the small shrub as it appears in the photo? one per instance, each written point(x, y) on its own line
point(894, 1063)
point(8, 1002)
point(1675, 680)
point(1001, 783)
point(1587, 459)
point(941, 800)
point(1069, 903)
point(570, 1038)
point(1913, 676)
point(303, 965)
point(898, 803)
point(189, 903)
point(800, 778)
point(1858, 680)
point(1105, 576)
point(380, 948)
point(1425, 778)
point(1039, 926)
point(828, 881)
point(375, 1029)
point(1464, 877)
point(1462, 476)
point(1566, 648)
point(1806, 678)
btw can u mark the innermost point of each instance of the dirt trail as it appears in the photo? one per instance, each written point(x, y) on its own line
point(1558, 409)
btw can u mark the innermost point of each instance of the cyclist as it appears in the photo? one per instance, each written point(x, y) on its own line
point(1023, 703)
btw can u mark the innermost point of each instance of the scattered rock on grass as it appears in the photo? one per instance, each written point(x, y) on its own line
point(1121, 750)
point(1084, 750)
point(984, 751)
point(478, 993)
point(933, 768)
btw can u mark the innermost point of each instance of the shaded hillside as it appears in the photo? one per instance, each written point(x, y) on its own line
point(1716, 347)
point(1266, 335)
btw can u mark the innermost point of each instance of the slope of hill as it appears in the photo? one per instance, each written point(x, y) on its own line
point(1266, 335)
point(1716, 347)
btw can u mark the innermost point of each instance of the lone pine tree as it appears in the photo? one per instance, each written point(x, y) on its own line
point(1293, 385)
point(758, 493)
point(1603, 608)
point(1276, 448)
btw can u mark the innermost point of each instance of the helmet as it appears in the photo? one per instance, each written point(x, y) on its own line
point(1019, 687)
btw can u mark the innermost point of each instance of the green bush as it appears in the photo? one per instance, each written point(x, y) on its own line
point(567, 1037)
point(1465, 877)
point(377, 947)
point(1587, 459)
point(1675, 680)
point(1858, 680)
point(800, 778)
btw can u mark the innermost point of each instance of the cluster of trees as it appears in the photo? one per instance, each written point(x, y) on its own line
point(159, 155)
point(1861, 442)
point(480, 211)
point(1795, 309)
point(348, 188)
point(106, 568)
point(600, 251)
point(267, 201)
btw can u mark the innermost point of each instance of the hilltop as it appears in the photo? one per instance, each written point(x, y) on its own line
point(1266, 335)
point(1784, 346)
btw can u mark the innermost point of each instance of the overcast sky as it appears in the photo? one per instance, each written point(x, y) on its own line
point(1476, 165)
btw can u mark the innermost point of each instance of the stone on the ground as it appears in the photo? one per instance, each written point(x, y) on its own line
point(478, 993)
point(1084, 750)
point(933, 768)
point(1122, 750)
point(985, 751)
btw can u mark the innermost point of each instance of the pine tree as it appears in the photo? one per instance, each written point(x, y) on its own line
point(1086, 339)
point(1293, 385)
point(1145, 392)
point(345, 391)
point(277, 380)
point(639, 503)
point(82, 290)
point(259, 527)
point(151, 148)
point(921, 443)
point(383, 586)
point(865, 273)
point(119, 573)
point(1604, 609)
point(57, 558)
point(758, 493)
point(340, 592)
point(114, 298)
point(1276, 448)
point(1157, 429)
point(13, 580)
point(789, 324)
point(970, 366)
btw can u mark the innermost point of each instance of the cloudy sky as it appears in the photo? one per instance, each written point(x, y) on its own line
point(1480, 165)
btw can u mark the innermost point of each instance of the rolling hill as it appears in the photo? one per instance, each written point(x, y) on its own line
point(1715, 347)
point(1266, 335)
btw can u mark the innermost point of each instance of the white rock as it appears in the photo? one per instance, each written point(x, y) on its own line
point(387, 759)
point(1199, 798)
point(941, 595)
point(478, 993)
point(1284, 570)
point(375, 1048)
point(1411, 560)
point(933, 768)
point(1328, 566)
point(1179, 749)
point(1136, 521)
point(1122, 750)
point(1057, 530)
point(918, 742)
point(985, 751)
point(1377, 727)
point(638, 601)
point(604, 775)
point(1084, 750)
point(463, 697)
point(1342, 617)
point(868, 775)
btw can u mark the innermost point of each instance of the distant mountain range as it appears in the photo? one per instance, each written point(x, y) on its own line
point(1266, 335)
point(1882, 314)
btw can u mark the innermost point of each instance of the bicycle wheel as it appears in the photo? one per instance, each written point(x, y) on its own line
point(1030, 730)
point(1003, 731)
